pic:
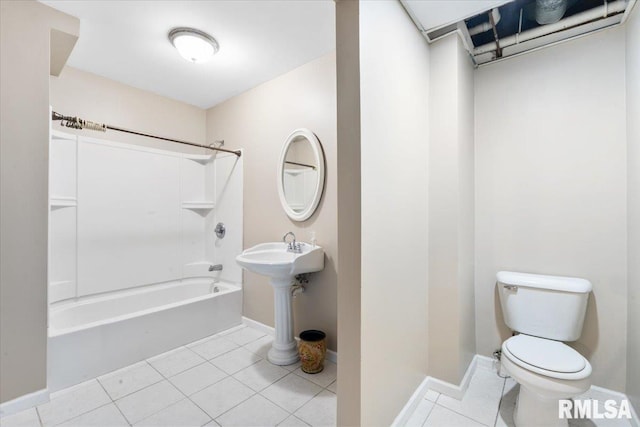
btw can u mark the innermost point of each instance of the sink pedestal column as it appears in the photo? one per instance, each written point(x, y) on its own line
point(284, 350)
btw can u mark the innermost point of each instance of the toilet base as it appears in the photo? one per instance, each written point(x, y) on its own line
point(535, 411)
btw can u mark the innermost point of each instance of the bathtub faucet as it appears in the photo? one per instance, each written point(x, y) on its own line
point(216, 267)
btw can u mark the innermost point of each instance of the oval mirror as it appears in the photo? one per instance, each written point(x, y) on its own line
point(301, 174)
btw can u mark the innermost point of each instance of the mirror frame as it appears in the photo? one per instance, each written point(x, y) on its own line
point(319, 154)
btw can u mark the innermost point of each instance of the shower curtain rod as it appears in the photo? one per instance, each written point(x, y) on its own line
point(78, 123)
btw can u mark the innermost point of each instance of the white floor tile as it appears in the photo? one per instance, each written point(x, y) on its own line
point(319, 411)
point(26, 418)
point(198, 378)
point(222, 396)
point(213, 347)
point(440, 417)
point(148, 401)
point(508, 404)
point(235, 360)
point(185, 413)
point(421, 413)
point(260, 375)
point(107, 415)
point(333, 387)
point(432, 395)
point(292, 367)
point(244, 336)
point(130, 379)
point(600, 423)
point(481, 400)
point(291, 392)
point(69, 403)
point(260, 346)
point(323, 378)
point(175, 361)
point(256, 411)
point(293, 421)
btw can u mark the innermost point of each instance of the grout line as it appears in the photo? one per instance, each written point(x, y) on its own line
point(463, 415)
point(298, 408)
point(113, 402)
point(430, 411)
point(38, 415)
point(504, 385)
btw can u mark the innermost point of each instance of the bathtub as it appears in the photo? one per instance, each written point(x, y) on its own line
point(98, 334)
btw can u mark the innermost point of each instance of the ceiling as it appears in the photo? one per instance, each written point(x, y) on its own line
point(126, 41)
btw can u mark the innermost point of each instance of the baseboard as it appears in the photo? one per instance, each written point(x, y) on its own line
point(406, 412)
point(269, 330)
point(24, 402)
point(453, 390)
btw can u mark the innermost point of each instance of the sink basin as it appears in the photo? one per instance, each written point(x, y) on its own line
point(281, 266)
point(273, 260)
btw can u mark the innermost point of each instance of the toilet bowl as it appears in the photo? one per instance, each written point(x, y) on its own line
point(547, 371)
point(544, 311)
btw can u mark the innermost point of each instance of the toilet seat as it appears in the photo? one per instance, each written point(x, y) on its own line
point(546, 357)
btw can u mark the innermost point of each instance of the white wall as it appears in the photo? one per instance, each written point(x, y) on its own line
point(633, 192)
point(24, 137)
point(92, 97)
point(551, 186)
point(394, 90)
point(451, 211)
point(259, 121)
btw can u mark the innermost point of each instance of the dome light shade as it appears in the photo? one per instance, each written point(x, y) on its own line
point(193, 45)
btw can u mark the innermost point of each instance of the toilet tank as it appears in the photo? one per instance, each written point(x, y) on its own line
point(550, 307)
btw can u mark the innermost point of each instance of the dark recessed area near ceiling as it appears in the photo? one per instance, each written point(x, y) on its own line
point(509, 23)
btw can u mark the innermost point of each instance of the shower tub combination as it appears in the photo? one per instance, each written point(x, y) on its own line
point(134, 271)
point(99, 334)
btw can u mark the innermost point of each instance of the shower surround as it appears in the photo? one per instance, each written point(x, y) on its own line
point(131, 232)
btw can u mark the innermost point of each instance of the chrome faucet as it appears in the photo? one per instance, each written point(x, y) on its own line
point(216, 267)
point(293, 246)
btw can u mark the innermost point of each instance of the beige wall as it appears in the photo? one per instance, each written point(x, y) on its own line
point(349, 211)
point(394, 84)
point(551, 186)
point(633, 192)
point(259, 121)
point(451, 211)
point(92, 97)
point(24, 139)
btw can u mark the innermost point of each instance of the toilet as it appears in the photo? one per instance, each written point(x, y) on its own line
point(545, 312)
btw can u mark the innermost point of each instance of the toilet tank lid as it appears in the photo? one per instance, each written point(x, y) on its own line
point(556, 283)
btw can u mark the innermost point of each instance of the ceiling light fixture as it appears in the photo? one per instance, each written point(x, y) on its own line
point(193, 45)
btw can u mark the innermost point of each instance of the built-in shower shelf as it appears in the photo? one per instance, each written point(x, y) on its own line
point(63, 202)
point(199, 205)
point(200, 158)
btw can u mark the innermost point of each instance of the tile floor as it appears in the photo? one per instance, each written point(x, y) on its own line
point(221, 380)
point(488, 402)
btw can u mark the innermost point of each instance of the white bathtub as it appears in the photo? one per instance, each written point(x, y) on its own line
point(99, 334)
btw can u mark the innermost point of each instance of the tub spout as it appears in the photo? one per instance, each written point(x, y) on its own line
point(216, 267)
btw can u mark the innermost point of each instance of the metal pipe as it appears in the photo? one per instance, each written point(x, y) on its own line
point(495, 35)
point(486, 26)
point(78, 123)
point(300, 164)
point(569, 22)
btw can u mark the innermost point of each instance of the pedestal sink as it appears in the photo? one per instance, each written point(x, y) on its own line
point(277, 261)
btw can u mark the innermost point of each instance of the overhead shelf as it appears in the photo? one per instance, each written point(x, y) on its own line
point(63, 202)
point(199, 205)
point(199, 158)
